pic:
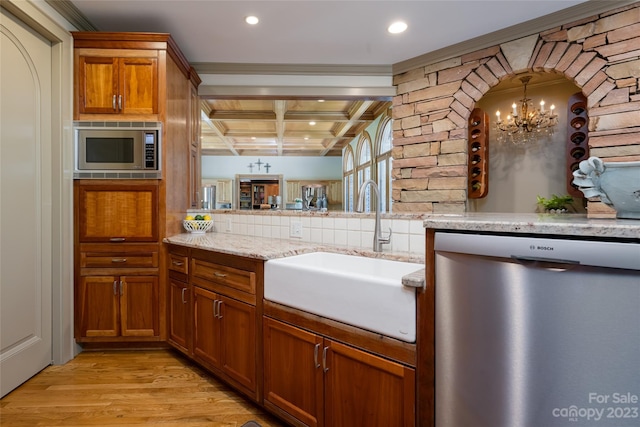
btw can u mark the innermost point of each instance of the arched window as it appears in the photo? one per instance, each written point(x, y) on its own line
point(347, 179)
point(364, 170)
point(384, 159)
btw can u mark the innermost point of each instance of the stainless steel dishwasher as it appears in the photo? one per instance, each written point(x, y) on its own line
point(538, 332)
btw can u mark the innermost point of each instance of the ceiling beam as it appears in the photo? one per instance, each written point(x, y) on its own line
point(356, 112)
point(220, 133)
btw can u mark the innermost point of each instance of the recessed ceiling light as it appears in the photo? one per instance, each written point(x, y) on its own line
point(306, 138)
point(253, 138)
point(312, 123)
point(251, 20)
point(320, 100)
point(397, 27)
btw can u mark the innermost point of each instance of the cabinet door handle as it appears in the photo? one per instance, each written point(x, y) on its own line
point(315, 355)
point(218, 274)
point(116, 239)
point(219, 309)
point(325, 368)
point(113, 102)
point(215, 308)
point(121, 287)
point(115, 287)
point(183, 300)
point(118, 260)
point(119, 102)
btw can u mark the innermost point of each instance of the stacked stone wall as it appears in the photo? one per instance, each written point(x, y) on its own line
point(599, 54)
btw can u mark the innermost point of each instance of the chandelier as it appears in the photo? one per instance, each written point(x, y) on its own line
point(526, 124)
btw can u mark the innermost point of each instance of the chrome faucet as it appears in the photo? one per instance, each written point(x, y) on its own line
point(378, 240)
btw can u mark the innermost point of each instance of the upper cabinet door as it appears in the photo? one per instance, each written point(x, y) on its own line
point(117, 86)
point(97, 85)
point(138, 85)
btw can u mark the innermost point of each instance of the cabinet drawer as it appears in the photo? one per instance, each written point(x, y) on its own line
point(118, 259)
point(241, 280)
point(179, 263)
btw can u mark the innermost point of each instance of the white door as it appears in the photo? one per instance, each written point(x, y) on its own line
point(25, 203)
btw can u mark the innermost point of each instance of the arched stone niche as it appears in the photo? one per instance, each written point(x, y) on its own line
point(598, 54)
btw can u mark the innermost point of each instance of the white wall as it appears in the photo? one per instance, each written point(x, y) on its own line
point(305, 168)
point(518, 174)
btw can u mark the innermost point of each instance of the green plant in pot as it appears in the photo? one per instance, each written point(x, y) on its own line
point(555, 204)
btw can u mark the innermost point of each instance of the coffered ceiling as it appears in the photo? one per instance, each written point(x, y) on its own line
point(291, 127)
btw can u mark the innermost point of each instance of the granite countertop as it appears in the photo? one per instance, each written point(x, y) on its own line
point(271, 248)
point(550, 224)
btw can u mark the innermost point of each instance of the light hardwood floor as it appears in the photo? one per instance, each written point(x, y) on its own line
point(128, 388)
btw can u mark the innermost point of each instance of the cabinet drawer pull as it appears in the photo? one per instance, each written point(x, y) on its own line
point(218, 274)
point(177, 263)
point(116, 239)
point(325, 368)
point(113, 102)
point(118, 260)
point(315, 355)
point(183, 300)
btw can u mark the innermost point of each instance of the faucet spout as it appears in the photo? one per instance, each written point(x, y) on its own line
point(378, 240)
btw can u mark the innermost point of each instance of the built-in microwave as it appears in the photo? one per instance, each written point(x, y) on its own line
point(121, 150)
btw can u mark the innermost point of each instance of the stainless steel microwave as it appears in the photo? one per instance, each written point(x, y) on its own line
point(121, 150)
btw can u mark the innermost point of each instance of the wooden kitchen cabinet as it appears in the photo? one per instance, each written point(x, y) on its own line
point(293, 375)
point(180, 304)
point(319, 381)
point(335, 192)
point(117, 211)
point(118, 306)
point(180, 300)
point(117, 85)
point(225, 321)
point(122, 78)
point(224, 336)
point(294, 191)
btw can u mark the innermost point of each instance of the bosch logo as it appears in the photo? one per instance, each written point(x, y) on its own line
point(541, 248)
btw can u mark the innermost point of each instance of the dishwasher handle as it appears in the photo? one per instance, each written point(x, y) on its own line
point(543, 262)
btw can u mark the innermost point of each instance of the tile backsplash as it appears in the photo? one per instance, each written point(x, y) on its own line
point(340, 229)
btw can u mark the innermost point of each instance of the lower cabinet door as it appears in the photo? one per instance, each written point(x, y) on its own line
point(139, 306)
point(97, 306)
point(293, 377)
point(180, 315)
point(366, 390)
point(238, 341)
point(206, 328)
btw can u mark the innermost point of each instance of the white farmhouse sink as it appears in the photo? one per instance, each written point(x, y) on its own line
point(363, 292)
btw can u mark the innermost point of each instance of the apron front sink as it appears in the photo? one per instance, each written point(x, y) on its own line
point(360, 291)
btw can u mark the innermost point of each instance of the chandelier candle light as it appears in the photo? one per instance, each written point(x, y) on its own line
point(527, 123)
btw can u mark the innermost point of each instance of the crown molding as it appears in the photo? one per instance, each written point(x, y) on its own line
point(292, 69)
point(296, 92)
point(556, 19)
point(72, 14)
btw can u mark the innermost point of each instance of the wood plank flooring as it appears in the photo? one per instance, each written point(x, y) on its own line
point(128, 388)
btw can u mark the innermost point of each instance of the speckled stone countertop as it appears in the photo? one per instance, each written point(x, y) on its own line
point(269, 248)
point(549, 224)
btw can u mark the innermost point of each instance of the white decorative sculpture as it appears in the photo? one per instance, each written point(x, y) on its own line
point(616, 183)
